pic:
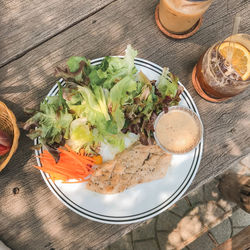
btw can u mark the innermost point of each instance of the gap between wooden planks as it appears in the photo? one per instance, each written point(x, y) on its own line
point(27, 24)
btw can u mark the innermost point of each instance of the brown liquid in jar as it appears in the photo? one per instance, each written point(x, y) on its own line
point(217, 78)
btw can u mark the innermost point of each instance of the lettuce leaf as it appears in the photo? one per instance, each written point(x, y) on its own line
point(113, 69)
point(129, 59)
point(168, 84)
point(74, 63)
point(77, 70)
point(80, 135)
point(53, 120)
point(101, 99)
point(92, 109)
point(120, 94)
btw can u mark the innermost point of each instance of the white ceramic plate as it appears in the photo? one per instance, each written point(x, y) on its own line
point(142, 201)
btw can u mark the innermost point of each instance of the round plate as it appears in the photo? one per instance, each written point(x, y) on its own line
point(143, 201)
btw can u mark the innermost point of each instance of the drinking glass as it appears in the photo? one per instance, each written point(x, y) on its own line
point(181, 16)
point(224, 70)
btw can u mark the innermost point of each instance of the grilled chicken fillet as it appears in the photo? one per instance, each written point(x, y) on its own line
point(136, 164)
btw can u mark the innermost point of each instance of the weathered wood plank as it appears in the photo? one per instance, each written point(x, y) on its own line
point(240, 241)
point(26, 24)
point(34, 217)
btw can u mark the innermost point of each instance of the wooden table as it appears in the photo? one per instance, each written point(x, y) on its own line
point(35, 36)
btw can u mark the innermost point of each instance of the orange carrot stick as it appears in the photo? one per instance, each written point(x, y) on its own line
point(71, 167)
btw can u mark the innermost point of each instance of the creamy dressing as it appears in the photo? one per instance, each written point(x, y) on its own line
point(178, 131)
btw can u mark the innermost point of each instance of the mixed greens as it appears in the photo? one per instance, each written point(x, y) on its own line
point(102, 103)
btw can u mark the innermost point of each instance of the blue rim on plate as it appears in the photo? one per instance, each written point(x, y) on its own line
point(155, 210)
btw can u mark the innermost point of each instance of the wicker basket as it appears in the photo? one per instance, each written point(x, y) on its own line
point(8, 125)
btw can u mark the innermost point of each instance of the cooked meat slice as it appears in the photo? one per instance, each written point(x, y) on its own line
point(135, 165)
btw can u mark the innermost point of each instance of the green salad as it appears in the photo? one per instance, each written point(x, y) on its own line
point(102, 103)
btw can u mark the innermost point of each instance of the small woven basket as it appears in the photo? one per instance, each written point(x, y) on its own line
point(8, 124)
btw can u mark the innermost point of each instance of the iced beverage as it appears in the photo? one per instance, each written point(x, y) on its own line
point(180, 16)
point(224, 70)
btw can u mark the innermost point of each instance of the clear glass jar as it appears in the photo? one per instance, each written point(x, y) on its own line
point(216, 76)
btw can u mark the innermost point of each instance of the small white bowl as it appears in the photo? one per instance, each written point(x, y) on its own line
point(197, 118)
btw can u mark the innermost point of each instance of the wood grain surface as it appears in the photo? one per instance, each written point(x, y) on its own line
point(240, 241)
point(33, 218)
point(27, 24)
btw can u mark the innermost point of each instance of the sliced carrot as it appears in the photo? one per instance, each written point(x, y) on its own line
point(71, 167)
point(74, 153)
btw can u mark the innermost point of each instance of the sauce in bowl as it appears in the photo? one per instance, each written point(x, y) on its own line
point(178, 131)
